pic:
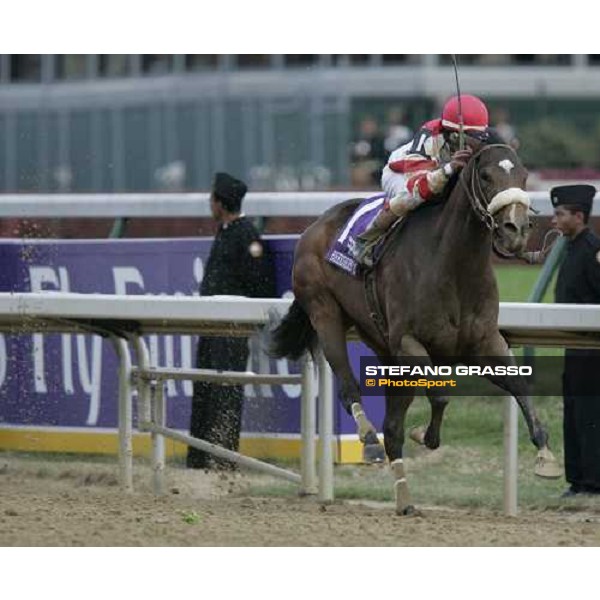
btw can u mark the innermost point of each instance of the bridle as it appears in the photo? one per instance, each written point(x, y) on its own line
point(471, 182)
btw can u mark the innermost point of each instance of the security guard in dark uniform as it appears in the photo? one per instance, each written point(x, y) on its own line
point(237, 266)
point(579, 283)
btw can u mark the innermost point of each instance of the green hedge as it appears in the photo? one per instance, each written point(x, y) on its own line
point(554, 143)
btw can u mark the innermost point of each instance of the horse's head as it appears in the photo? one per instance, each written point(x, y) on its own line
point(495, 183)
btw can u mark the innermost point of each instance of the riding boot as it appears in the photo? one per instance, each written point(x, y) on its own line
point(368, 240)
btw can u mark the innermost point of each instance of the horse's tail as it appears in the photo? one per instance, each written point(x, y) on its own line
point(294, 335)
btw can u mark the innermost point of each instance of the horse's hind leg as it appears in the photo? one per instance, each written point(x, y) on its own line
point(393, 431)
point(516, 385)
point(327, 319)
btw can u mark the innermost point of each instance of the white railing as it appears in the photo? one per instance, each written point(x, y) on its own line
point(178, 205)
point(127, 318)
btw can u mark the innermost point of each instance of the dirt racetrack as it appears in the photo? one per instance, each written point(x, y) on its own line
point(78, 503)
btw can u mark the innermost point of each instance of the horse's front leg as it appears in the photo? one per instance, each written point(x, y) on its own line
point(327, 319)
point(393, 431)
point(428, 436)
point(496, 352)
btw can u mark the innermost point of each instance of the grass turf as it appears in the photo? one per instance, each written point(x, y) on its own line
point(515, 283)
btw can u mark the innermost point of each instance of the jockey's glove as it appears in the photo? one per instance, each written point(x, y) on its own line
point(460, 159)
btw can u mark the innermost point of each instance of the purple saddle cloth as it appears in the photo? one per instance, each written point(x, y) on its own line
point(340, 253)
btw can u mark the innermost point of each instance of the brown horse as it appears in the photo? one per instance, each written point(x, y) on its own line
point(437, 295)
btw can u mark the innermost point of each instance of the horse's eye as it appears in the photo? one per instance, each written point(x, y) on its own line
point(486, 177)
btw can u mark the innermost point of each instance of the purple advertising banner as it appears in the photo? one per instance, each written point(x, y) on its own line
point(70, 380)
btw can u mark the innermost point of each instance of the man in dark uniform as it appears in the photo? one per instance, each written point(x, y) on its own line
point(237, 266)
point(579, 283)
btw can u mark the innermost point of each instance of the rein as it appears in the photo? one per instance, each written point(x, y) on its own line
point(474, 191)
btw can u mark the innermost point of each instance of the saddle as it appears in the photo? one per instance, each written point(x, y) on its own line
point(341, 254)
point(341, 251)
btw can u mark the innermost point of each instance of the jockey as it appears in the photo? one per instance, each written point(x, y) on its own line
point(420, 170)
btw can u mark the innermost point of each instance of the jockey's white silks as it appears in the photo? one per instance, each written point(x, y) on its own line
point(507, 197)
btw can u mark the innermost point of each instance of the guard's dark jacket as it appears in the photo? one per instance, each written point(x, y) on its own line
point(238, 265)
point(579, 283)
point(579, 276)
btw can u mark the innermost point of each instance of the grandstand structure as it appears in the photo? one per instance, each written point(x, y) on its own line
point(128, 123)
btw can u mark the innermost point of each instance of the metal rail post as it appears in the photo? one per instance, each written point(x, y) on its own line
point(125, 414)
point(511, 456)
point(325, 430)
point(159, 417)
point(143, 386)
point(308, 423)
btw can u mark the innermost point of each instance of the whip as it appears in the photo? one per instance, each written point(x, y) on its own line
point(461, 123)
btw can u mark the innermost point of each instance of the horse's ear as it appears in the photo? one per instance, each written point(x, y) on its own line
point(489, 137)
point(493, 137)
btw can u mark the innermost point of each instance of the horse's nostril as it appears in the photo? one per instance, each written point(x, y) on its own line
point(510, 227)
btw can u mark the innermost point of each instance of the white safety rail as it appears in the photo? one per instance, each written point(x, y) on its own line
point(179, 205)
point(550, 325)
point(125, 319)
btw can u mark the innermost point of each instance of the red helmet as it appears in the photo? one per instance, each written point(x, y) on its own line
point(474, 113)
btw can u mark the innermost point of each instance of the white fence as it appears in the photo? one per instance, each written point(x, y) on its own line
point(179, 205)
point(127, 318)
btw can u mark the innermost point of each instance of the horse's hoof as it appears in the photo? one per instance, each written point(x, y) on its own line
point(548, 470)
point(417, 434)
point(408, 511)
point(546, 465)
point(373, 453)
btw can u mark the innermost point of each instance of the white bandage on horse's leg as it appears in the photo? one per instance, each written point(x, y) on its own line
point(364, 425)
point(507, 197)
point(357, 410)
point(401, 491)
